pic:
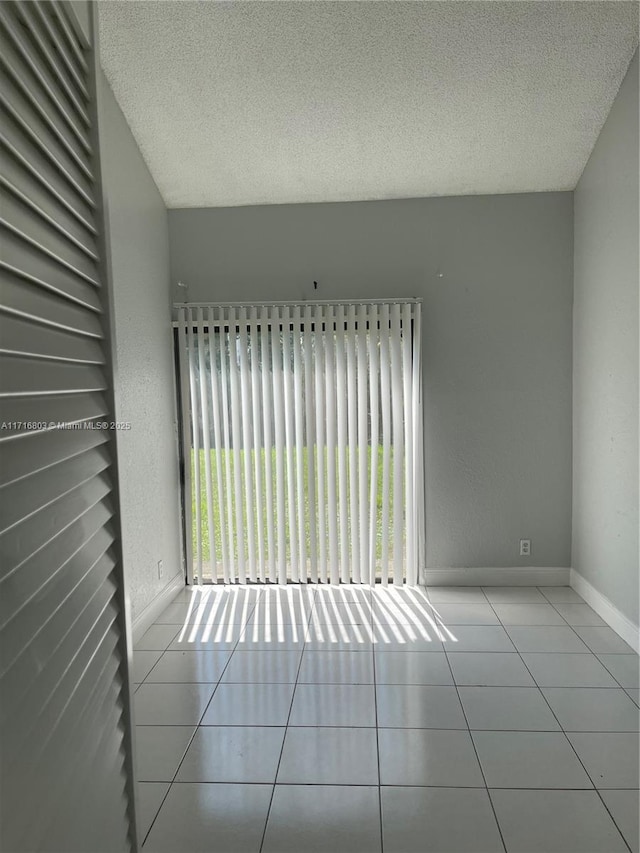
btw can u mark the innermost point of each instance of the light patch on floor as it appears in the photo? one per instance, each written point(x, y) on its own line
point(277, 714)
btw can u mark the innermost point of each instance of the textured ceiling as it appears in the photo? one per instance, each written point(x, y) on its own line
point(271, 102)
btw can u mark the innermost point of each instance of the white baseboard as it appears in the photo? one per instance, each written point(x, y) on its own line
point(493, 576)
point(622, 625)
point(145, 620)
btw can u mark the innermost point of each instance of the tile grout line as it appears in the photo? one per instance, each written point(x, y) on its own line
point(562, 729)
point(197, 726)
point(375, 706)
point(595, 654)
point(484, 778)
point(286, 726)
point(305, 643)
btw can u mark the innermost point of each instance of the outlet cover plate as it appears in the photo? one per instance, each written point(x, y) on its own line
point(525, 547)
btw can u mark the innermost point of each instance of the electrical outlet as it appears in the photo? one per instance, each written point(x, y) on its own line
point(525, 547)
point(160, 568)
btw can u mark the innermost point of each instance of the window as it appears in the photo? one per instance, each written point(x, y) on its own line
point(303, 434)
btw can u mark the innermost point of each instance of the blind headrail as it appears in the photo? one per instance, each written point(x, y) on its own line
point(300, 302)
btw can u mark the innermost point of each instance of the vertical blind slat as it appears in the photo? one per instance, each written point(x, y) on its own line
point(236, 439)
point(289, 404)
point(418, 490)
point(363, 448)
point(398, 442)
point(256, 402)
point(352, 425)
point(311, 433)
point(341, 392)
point(183, 357)
point(247, 447)
point(227, 446)
point(330, 387)
point(299, 445)
point(320, 443)
point(268, 439)
point(385, 406)
point(408, 435)
point(279, 415)
point(195, 429)
point(214, 339)
point(375, 404)
point(206, 446)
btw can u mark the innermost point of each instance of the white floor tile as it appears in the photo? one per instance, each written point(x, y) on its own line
point(343, 593)
point(584, 709)
point(433, 757)
point(213, 818)
point(249, 705)
point(513, 595)
point(334, 705)
point(233, 754)
point(412, 706)
point(561, 594)
point(329, 756)
point(319, 818)
point(159, 751)
point(507, 708)
point(399, 638)
point(528, 614)
point(229, 610)
point(478, 638)
point(157, 638)
point(438, 820)
point(456, 595)
point(604, 641)
point(150, 797)
point(336, 668)
point(490, 669)
point(544, 821)
point(143, 663)
point(465, 614)
point(259, 636)
point(387, 615)
point(412, 668)
point(175, 613)
point(611, 758)
point(235, 608)
point(624, 807)
point(193, 638)
point(351, 613)
point(285, 611)
point(624, 668)
point(345, 638)
point(199, 591)
point(529, 760)
point(206, 666)
point(171, 704)
point(547, 639)
point(568, 670)
point(268, 666)
point(402, 606)
point(578, 614)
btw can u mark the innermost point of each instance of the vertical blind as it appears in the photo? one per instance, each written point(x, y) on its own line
point(302, 429)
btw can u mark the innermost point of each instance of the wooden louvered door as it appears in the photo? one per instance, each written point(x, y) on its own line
point(67, 780)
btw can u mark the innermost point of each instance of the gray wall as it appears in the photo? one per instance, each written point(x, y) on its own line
point(145, 396)
point(605, 391)
point(497, 340)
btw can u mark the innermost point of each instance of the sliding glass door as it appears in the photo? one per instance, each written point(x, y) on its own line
point(303, 442)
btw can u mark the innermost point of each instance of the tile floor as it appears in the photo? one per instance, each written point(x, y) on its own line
point(343, 720)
